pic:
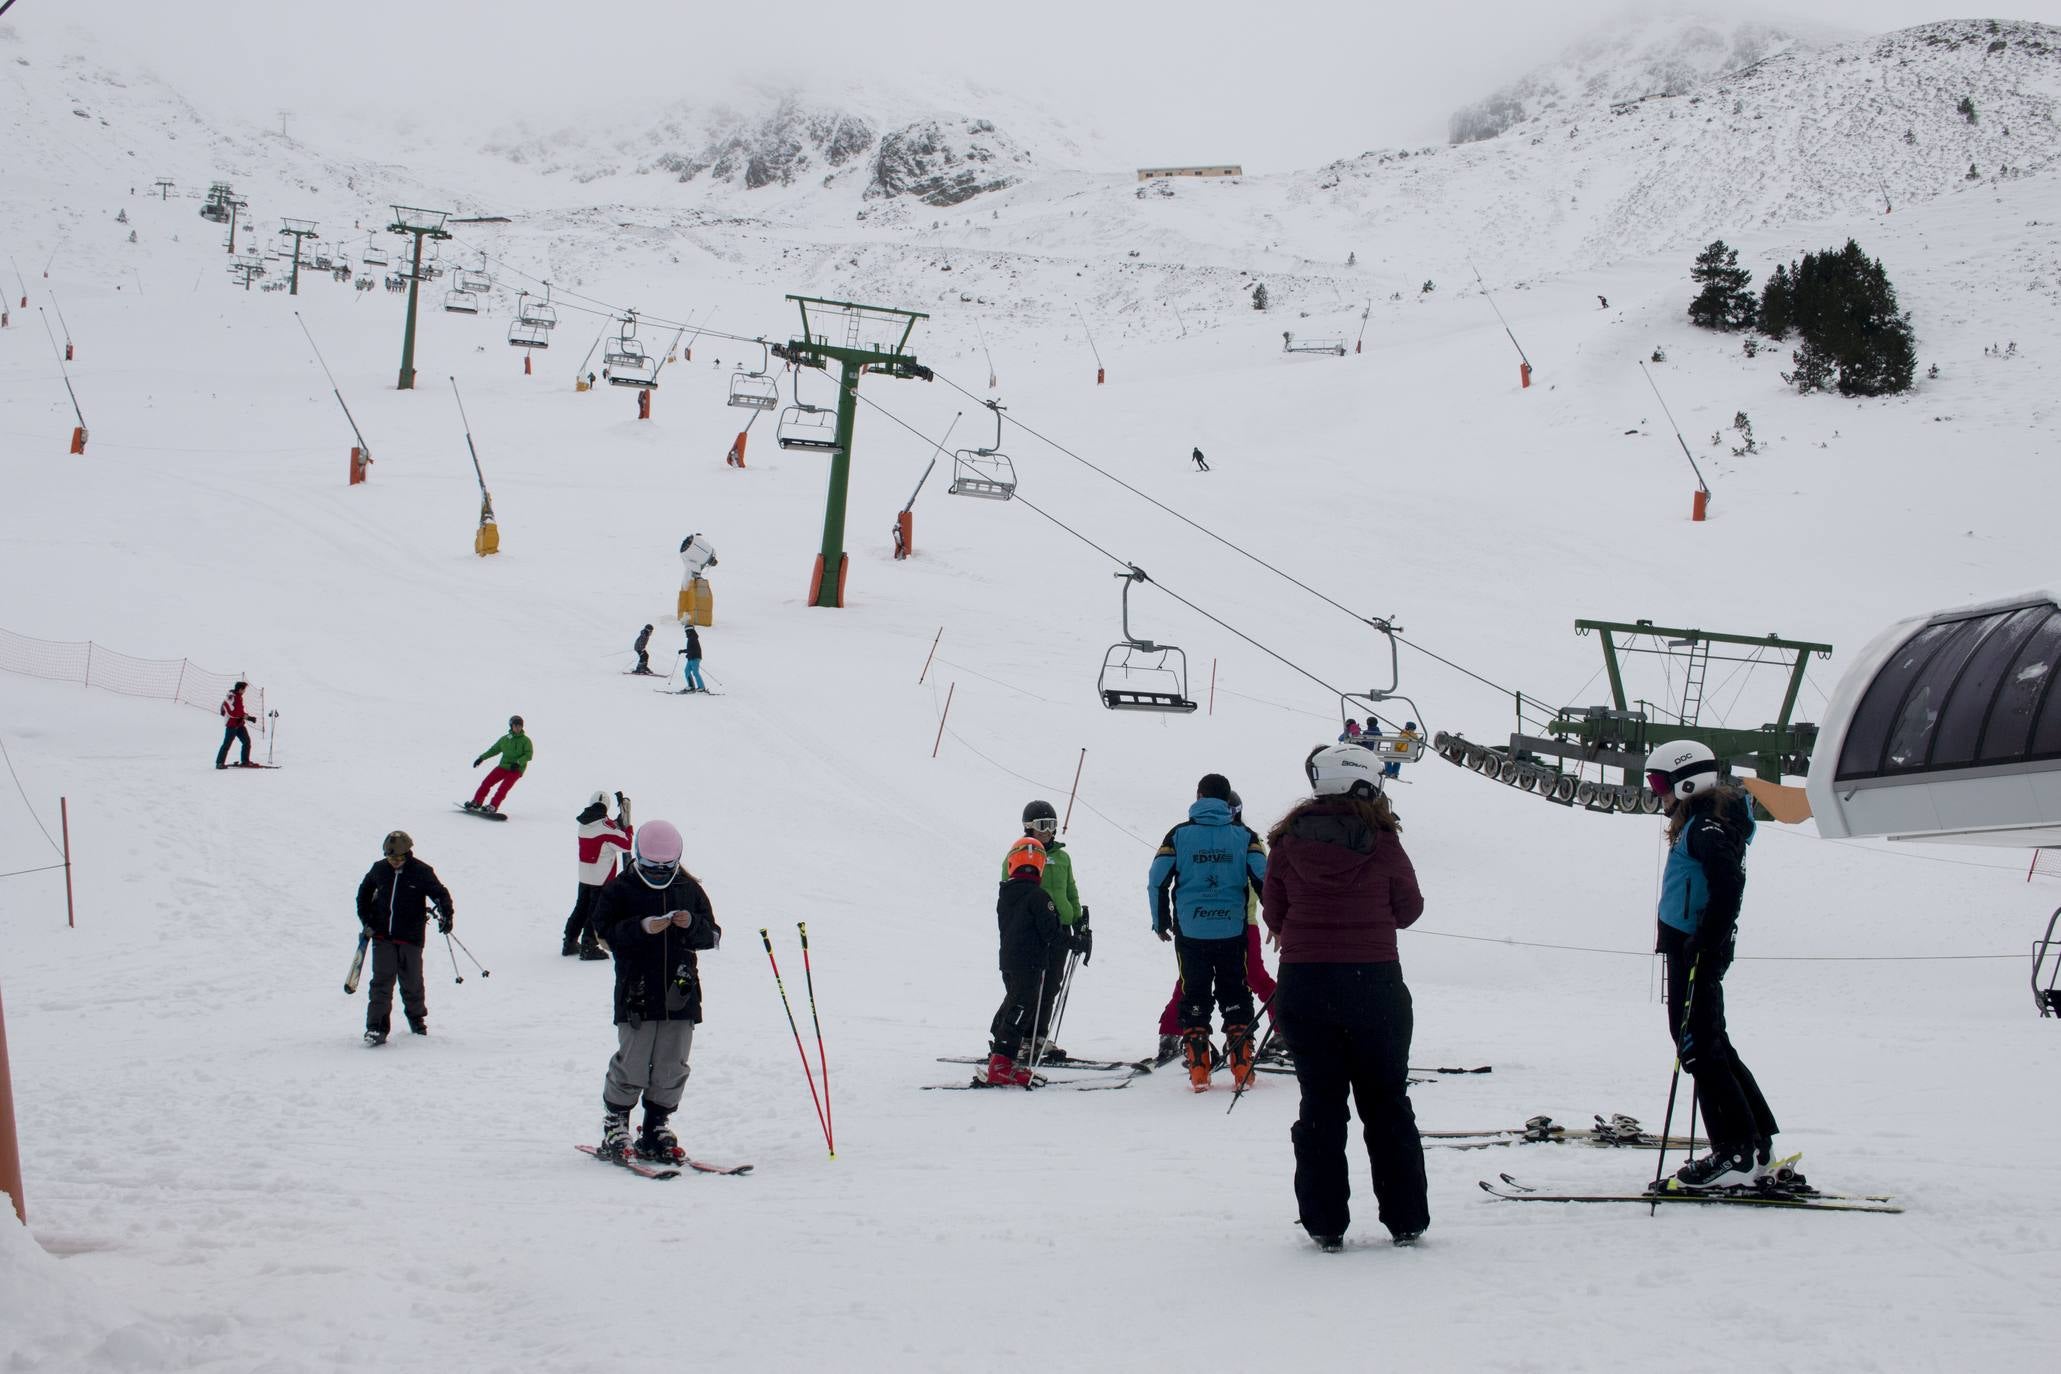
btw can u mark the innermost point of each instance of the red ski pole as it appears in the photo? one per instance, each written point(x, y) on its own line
point(809, 974)
point(807, 1073)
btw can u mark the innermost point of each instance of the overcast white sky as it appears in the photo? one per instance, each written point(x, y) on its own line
point(1287, 84)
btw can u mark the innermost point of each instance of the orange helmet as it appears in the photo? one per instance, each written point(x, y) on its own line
point(1027, 852)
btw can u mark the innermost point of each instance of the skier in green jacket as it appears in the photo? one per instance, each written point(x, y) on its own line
point(1042, 822)
point(515, 750)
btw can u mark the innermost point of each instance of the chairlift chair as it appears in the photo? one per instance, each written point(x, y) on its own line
point(1164, 665)
point(751, 390)
point(623, 352)
point(810, 428)
point(373, 257)
point(639, 372)
point(523, 334)
point(478, 283)
point(538, 313)
point(986, 473)
point(461, 303)
point(1391, 745)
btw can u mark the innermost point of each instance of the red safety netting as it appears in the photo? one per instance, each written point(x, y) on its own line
point(93, 665)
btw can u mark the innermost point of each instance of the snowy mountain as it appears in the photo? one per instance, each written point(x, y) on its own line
point(1632, 57)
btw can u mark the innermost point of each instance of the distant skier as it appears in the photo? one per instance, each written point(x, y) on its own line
point(1709, 826)
point(1197, 890)
point(1201, 463)
point(642, 646)
point(599, 838)
point(395, 900)
point(235, 726)
point(1027, 922)
point(656, 919)
point(1041, 823)
point(691, 661)
point(516, 751)
point(1603, 302)
point(1338, 888)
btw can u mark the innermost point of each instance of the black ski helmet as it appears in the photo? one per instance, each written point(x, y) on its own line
point(1039, 811)
point(397, 844)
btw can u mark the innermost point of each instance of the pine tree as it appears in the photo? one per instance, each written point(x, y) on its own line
point(1777, 310)
point(1844, 306)
point(1259, 296)
point(1724, 302)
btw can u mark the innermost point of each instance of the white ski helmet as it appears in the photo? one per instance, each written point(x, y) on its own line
point(1337, 770)
point(1681, 769)
point(598, 799)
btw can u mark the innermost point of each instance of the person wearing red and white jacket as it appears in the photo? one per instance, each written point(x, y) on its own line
point(235, 726)
point(602, 843)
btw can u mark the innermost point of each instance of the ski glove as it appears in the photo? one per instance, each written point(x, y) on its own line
point(443, 923)
point(1084, 941)
point(480, 760)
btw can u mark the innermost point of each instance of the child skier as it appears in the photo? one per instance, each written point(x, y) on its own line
point(643, 652)
point(1041, 823)
point(1028, 923)
point(691, 671)
point(656, 919)
point(394, 902)
point(515, 750)
point(600, 837)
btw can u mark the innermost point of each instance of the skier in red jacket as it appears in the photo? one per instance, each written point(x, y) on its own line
point(235, 726)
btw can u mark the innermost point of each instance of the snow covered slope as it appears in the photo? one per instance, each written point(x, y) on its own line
point(220, 1177)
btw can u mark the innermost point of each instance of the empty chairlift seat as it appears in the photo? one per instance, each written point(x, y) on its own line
point(754, 391)
point(461, 303)
point(639, 372)
point(1139, 675)
point(523, 334)
point(1948, 728)
point(985, 473)
point(807, 427)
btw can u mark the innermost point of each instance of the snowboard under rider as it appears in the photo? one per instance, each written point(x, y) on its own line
point(395, 900)
point(656, 920)
point(602, 841)
point(516, 750)
point(1709, 825)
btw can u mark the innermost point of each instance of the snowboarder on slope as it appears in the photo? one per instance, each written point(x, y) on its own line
point(395, 899)
point(656, 919)
point(515, 750)
point(1041, 823)
point(1197, 889)
point(1338, 888)
point(642, 646)
point(1709, 825)
point(691, 662)
point(1028, 923)
point(235, 726)
point(599, 838)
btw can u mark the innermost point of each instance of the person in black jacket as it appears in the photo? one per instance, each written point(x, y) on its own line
point(642, 646)
point(1028, 923)
point(394, 905)
point(655, 918)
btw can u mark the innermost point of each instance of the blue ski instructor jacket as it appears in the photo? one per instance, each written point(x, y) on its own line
point(1202, 873)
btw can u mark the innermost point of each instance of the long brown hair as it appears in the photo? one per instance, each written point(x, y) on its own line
point(1724, 795)
point(1374, 812)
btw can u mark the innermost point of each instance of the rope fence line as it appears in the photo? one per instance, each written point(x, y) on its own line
point(94, 665)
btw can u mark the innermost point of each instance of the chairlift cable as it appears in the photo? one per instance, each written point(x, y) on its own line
point(1236, 548)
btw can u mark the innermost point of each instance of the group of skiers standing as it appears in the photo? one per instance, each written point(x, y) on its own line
point(1333, 886)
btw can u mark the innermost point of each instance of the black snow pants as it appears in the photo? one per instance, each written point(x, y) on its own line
point(391, 961)
point(578, 925)
point(1350, 1025)
point(1019, 1010)
point(1735, 1115)
point(1213, 974)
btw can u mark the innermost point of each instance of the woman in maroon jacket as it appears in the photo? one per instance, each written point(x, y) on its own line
point(1338, 888)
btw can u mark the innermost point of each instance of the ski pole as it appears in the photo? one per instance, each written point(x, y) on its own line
point(456, 976)
point(1266, 1010)
point(484, 972)
point(1036, 1002)
point(807, 1073)
point(809, 974)
point(1667, 1125)
point(1073, 958)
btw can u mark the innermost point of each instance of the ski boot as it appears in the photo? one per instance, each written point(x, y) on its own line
point(418, 1025)
point(1169, 1050)
point(488, 809)
point(1049, 1053)
point(374, 1038)
point(615, 1136)
point(1201, 1056)
point(591, 950)
point(569, 946)
point(1715, 1172)
point(469, 806)
point(656, 1143)
point(1238, 1050)
point(1003, 1072)
point(1275, 1053)
point(1330, 1245)
point(1404, 1240)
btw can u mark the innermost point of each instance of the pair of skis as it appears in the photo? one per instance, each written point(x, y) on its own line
point(1615, 1131)
point(1799, 1199)
point(644, 1170)
point(1131, 1069)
